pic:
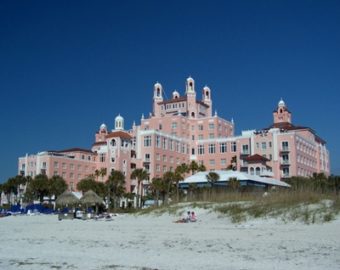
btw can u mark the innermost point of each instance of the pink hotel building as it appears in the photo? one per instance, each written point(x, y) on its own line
point(183, 129)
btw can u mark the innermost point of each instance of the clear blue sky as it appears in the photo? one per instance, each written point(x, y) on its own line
point(68, 66)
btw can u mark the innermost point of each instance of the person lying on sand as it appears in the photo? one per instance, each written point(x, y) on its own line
point(184, 219)
point(193, 217)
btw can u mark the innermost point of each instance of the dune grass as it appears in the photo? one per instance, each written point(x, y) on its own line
point(304, 206)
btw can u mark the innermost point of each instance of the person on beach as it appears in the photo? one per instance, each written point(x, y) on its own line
point(185, 219)
point(193, 217)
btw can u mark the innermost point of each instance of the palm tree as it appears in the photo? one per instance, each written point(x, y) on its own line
point(57, 186)
point(140, 175)
point(193, 167)
point(116, 185)
point(38, 188)
point(212, 178)
point(157, 188)
point(180, 172)
point(97, 174)
point(168, 178)
point(233, 183)
point(201, 168)
point(102, 173)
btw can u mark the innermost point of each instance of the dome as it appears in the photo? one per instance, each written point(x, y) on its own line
point(157, 85)
point(190, 78)
point(119, 117)
point(103, 126)
point(119, 122)
point(281, 103)
point(206, 88)
point(175, 94)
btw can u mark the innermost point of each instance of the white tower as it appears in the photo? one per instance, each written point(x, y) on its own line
point(119, 122)
point(190, 86)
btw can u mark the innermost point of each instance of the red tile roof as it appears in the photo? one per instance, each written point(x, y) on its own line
point(256, 158)
point(289, 126)
point(76, 149)
point(119, 134)
point(98, 143)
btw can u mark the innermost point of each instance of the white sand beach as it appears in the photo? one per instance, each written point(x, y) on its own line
point(155, 242)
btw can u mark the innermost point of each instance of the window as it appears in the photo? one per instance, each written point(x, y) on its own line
point(212, 162)
point(171, 159)
point(164, 143)
point(233, 147)
point(285, 172)
point(158, 157)
point(183, 148)
point(147, 141)
point(264, 145)
point(192, 137)
point(270, 144)
point(270, 157)
point(257, 171)
point(211, 126)
point(200, 137)
point(285, 159)
point(160, 126)
point(174, 125)
point(55, 173)
point(223, 162)
point(211, 135)
point(200, 149)
point(223, 147)
point(102, 157)
point(71, 175)
point(200, 127)
point(212, 149)
point(158, 168)
point(257, 145)
point(158, 141)
point(177, 147)
point(71, 166)
point(171, 145)
point(82, 156)
point(164, 169)
point(113, 142)
point(164, 158)
point(88, 157)
point(245, 149)
point(64, 166)
point(44, 165)
point(285, 146)
point(56, 164)
point(79, 167)
point(147, 157)
point(192, 151)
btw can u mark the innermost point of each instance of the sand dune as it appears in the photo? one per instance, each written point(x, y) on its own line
point(150, 242)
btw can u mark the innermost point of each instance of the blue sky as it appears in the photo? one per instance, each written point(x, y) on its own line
point(68, 66)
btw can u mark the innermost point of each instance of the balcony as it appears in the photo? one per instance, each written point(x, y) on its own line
point(285, 162)
point(285, 175)
point(284, 149)
point(266, 173)
point(244, 153)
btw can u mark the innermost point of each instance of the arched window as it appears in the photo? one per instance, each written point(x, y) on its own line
point(193, 114)
point(113, 142)
point(251, 170)
point(258, 171)
point(207, 94)
point(158, 92)
point(281, 110)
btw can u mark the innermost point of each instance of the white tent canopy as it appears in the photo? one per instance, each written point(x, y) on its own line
point(200, 178)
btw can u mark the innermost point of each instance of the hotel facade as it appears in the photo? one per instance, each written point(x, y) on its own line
point(183, 129)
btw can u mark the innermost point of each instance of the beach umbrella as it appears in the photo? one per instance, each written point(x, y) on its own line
point(91, 198)
point(67, 198)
